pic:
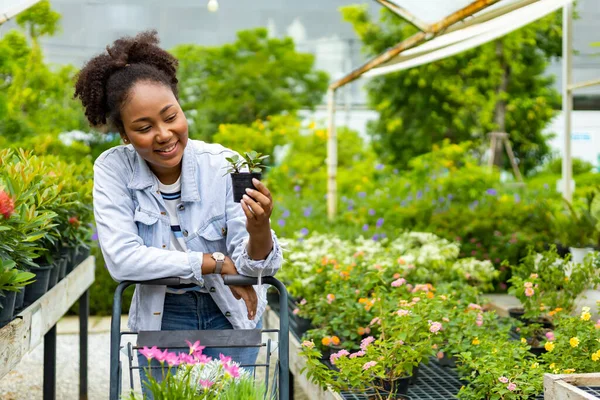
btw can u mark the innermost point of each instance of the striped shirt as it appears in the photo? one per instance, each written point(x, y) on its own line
point(171, 195)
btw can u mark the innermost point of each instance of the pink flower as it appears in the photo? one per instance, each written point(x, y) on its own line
point(308, 344)
point(399, 282)
point(149, 353)
point(366, 342)
point(172, 359)
point(232, 370)
point(474, 306)
point(367, 330)
point(206, 384)
point(435, 327)
point(330, 298)
point(224, 359)
point(356, 291)
point(416, 299)
point(529, 292)
point(296, 311)
point(187, 359)
point(503, 379)
point(202, 359)
point(357, 354)
point(402, 313)
point(376, 320)
point(445, 319)
point(369, 365)
point(195, 347)
point(7, 205)
point(533, 276)
point(161, 356)
point(550, 336)
point(512, 387)
point(479, 322)
point(303, 302)
point(440, 355)
point(335, 356)
point(528, 284)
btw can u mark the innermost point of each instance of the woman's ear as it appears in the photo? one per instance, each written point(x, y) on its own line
point(124, 138)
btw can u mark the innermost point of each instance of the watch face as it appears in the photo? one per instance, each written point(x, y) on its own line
point(218, 256)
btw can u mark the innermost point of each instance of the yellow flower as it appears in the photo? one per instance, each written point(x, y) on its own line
point(475, 341)
point(586, 316)
point(596, 356)
point(523, 340)
point(312, 125)
point(549, 346)
point(535, 365)
point(574, 341)
point(569, 370)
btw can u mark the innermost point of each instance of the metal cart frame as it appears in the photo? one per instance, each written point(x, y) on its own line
point(238, 280)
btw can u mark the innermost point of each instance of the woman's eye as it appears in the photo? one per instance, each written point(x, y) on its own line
point(145, 129)
point(171, 118)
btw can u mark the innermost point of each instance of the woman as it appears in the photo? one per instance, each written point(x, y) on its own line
point(163, 207)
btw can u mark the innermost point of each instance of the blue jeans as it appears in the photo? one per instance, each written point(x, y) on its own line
point(195, 311)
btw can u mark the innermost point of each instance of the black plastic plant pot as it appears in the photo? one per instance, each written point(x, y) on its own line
point(447, 361)
point(393, 389)
point(62, 270)
point(53, 275)
point(7, 302)
point(242, 181)
point(20, 298)
point(38, 288)
point(82, 253)
point(298, 324)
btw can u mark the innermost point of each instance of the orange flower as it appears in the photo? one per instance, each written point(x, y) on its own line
point(360, 331)
point(335, 340)
point(401, 261)
point(396, 276)
point(326, 341)
point(430, 295)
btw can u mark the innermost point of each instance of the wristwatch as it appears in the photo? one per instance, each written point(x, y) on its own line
point(220, 259)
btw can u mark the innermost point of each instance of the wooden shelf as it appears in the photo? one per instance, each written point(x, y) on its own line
point(27, 330)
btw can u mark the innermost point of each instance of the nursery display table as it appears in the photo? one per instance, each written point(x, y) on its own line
point(434, 382)
point(25, 332)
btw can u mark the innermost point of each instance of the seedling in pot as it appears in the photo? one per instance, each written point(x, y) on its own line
point(253, 162)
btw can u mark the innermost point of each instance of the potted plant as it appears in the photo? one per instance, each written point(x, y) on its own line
point(241, 179)
point(547, 284)
point(11, 281)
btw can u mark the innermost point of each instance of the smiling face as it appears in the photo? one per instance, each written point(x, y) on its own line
point(155, 125)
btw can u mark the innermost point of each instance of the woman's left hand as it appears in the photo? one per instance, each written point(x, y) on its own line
point(258, 206)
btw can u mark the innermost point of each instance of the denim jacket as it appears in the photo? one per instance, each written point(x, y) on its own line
point(134, 230)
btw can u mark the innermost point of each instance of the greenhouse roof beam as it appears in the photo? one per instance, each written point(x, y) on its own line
point(416, 39)
point(405, 14)
point(7, 11)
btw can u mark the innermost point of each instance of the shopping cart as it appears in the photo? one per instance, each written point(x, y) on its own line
point(175, 340)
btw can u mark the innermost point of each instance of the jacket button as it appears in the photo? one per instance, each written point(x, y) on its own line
point(185, 233)
point(212, 289)
point(228, 314)
point(181, 207)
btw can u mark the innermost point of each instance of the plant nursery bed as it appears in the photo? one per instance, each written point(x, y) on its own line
point(27, 330)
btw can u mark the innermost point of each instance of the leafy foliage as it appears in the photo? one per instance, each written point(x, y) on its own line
point(244, 81)
point(462, 97)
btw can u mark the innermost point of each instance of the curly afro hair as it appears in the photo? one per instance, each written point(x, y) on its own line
point(105, 81)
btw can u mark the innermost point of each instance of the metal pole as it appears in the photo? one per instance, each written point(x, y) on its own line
point(115, 341)
point(331, 156)
point(84, 311)
point(50, 364)
point(567, 101)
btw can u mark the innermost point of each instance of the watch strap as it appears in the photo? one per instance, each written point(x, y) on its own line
point(219, 266)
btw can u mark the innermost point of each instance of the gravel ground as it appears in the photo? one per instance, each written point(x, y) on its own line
point(25, 382)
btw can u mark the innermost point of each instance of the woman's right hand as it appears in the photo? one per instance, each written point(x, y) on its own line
point(246, 293)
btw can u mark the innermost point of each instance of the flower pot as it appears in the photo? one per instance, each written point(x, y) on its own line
point(537, 351)
point(7, 304)
point(81, 254)
point(516, 313)
point(62, 271)
point(578, 255)
point(273, 300)
point(19, 300)
point(298, 325)
point(40, 286)
point(53, 275)
point(447, 361)
point(415, 376)
point(392, 388)
point(69, 253)
point(242, 181)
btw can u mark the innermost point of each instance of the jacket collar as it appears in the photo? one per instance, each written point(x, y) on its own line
point(144, 178)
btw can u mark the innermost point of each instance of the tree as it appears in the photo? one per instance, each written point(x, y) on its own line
point(497, 86)
point(245, 81)
point(34, 97)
